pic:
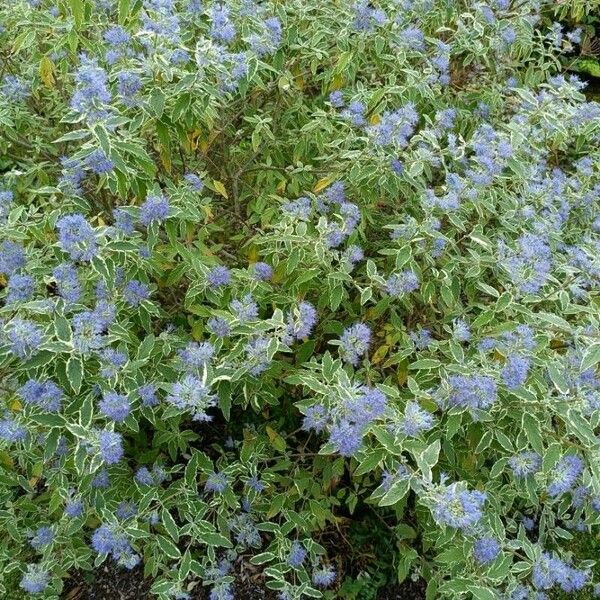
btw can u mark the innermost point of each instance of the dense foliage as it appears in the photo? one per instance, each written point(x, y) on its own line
point(266, 267)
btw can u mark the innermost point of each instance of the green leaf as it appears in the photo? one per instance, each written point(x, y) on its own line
point(532, 429)
point(425, 364)
point(168, 547)
point(591, 357)
point(215, 539)
point(261, 559)
point(49, 420)
point(75, 373)
point(123, 11)
point(170, 525)
point(397, 491)
point(370, 462)
point(557, 377)
point(481, 593)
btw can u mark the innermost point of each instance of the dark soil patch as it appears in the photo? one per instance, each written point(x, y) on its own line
point(110, 582)
point(407, 590)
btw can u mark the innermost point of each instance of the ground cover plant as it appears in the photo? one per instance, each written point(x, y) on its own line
point(273, 274)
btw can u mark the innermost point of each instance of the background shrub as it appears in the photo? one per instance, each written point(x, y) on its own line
point(272, 271)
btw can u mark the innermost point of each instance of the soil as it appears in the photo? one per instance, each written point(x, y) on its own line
point(110, 582)
point(113, 583)
point(407, 590)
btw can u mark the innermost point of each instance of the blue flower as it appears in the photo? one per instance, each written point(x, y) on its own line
point(421, 339)
point(12, 257)
point(216, 482)
point(126, 510)
point(315, 417)
point(67, 283)
point(257, 357)
point(355, 113)
point(135, 292)
point(262, 271)
point(35, 580)
point(144, 477)
point(92, 94)
point(461, 331)
point(87, 332)
point(43, 536)
point(300, 322)
point(486, 550)
point(564, 475)
point(245, 309)
point(354, 343)
point(336, 99)
point(194, 181)
point(24, 337)
point(44, 394)
point(196, 355)
point(77, 238)
point(98, 162)
point(20, 288)
point(11, 431)
point(299, 209)
point(416, 420)
point(218, 276)
point(395, 128)
point(6, 199)
point(128, 85)
point(191, 394)
point(405, 282)
point(218, 326)
point(222, 29)
point(412, 38)
point(458, 508)
point(526, 463)
point(110, 445)
point(147, 394)
point(115, 406)
point(14, 89)
point(117, 36)
point(514, 373)
point(549, 571)
point(297, 555)
point(475, 391)
point(101, 480)
point(74, 508)
point(346, 436)
point(154, 208)
point(323, 576)
point(530, 265)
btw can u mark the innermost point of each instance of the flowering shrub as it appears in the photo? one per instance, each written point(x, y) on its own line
point(265, 265)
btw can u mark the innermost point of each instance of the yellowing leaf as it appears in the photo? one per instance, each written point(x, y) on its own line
point(379, 354)
point(337, 83)
point(6, 460)
point(276, 440)
point(252, 254)
point(47, 72)
point(197, 331)
point(375, 119)
point(323, 183)
point(402, 374)
point(220, 187)
point(165, 159)
point(16, 405)
point(281, 187)
point(298, 79)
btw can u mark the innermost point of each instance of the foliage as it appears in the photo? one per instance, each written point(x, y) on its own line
point(267, 266)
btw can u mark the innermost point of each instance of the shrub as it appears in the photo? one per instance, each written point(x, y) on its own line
point(267, 265)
